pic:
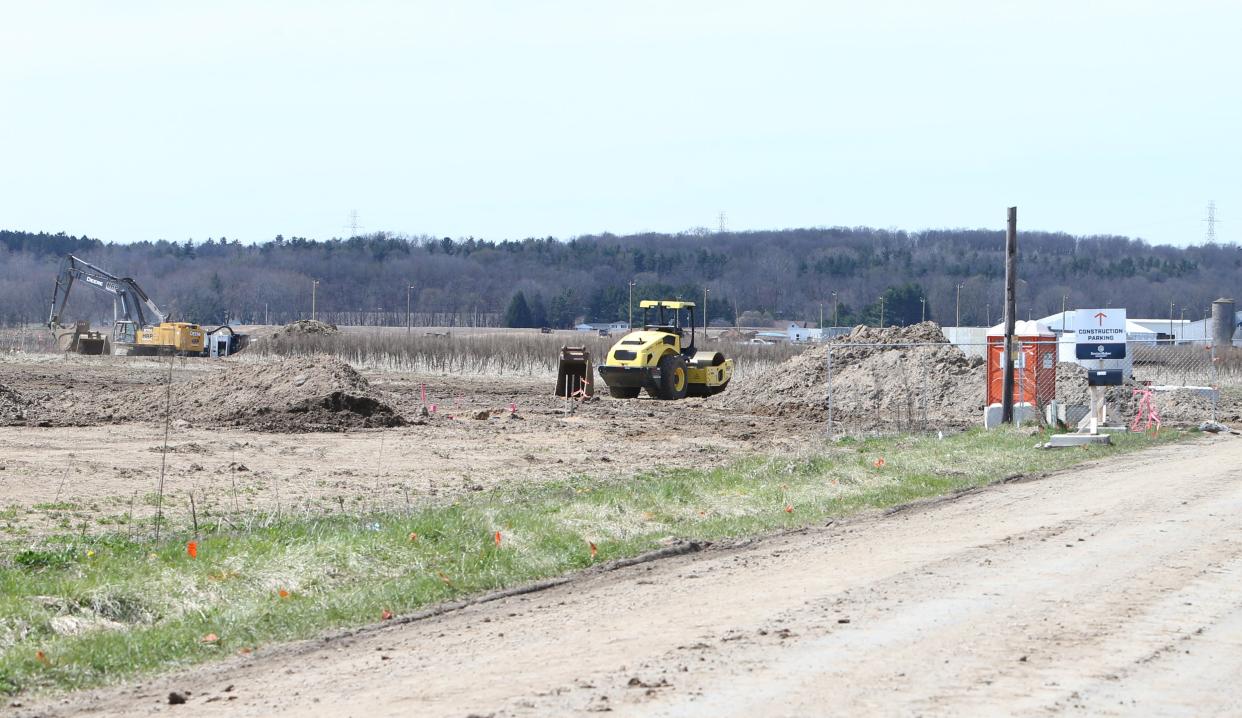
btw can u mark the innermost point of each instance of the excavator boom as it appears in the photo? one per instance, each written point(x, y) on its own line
point(133, 304)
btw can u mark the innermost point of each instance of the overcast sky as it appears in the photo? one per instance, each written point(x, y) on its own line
point(142, 120)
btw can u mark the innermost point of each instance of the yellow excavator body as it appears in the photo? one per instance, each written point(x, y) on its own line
point(173, 336)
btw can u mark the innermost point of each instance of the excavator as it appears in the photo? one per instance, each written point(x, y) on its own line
point(139, 327)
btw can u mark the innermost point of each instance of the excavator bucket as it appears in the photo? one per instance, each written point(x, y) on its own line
point(574, 374)
point(80, 339)
point(94, 344)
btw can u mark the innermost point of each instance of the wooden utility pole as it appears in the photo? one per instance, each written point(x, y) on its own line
point(705, 291)
point(409, 322)
point(1011, 308)
point(630, 321)
point(957, 305)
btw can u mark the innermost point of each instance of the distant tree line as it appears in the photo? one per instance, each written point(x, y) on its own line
point(773, 275)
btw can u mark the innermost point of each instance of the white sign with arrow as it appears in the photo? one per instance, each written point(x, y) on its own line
point(1100, 333)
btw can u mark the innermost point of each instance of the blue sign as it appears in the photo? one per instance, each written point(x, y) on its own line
point(1100, 351)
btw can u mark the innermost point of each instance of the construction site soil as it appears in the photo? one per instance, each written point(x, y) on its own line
point(295, 396)
point(13, 406)
point(881, 378)
point(252, 433)
point(84, 437)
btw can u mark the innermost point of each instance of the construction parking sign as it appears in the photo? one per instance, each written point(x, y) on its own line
point(1100, 334)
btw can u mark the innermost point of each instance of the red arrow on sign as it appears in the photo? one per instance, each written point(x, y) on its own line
point(1101, 316)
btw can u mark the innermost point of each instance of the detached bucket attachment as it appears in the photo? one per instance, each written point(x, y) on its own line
point(80, 339)
point(574, 374)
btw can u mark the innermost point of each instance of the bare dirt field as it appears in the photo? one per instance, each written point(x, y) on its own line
point(83, 442)
point(1110, 589)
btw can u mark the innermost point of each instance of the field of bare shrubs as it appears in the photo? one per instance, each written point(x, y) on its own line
point(510, 352)
point(515, 352)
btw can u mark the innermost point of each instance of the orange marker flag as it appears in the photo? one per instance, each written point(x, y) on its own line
point(386, 615)
point(41, 657)
point(879, 462)
point(497, 538)
point(282, 593)
point(788, 508)
point(191, 548)
point(593, 549)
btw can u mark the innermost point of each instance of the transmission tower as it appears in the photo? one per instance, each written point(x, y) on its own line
point(723, 222)
point(353, 225)
point(1211, 222)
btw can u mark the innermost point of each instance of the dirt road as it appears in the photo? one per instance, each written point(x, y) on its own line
point(1112, 589)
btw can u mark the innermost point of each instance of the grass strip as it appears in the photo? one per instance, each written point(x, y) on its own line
point(79, 611)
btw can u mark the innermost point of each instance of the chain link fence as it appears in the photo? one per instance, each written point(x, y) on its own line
point(936, 386)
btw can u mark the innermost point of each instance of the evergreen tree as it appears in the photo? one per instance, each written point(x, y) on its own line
point(518, 314)
point(902, 306)
point(538, 312)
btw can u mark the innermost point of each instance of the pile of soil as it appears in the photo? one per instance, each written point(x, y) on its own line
point(307, 327)
point(294, 395)
point(876, 382)
point(924, 333)
point(13, 406)
point(1178, 407)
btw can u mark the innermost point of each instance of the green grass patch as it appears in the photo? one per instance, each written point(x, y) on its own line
point(57, 506)
point(78, 611)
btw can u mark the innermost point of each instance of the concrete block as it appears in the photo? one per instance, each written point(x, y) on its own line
point(1063, 440)
point(1024, 414)
point(1069, 415)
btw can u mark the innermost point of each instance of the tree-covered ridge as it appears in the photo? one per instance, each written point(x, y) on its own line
point(787, 274)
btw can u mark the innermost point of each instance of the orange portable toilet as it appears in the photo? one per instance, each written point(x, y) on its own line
point(1034, 365)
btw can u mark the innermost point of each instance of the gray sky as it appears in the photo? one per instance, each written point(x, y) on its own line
point(141, 120)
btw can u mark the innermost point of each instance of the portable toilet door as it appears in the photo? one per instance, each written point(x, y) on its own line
point(218, 345)
point(1034, 365)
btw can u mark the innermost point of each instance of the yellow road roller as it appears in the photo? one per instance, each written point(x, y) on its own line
point(659, 359)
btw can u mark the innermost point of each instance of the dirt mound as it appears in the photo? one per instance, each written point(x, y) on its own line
point(924, 333)
point(302, 394)
point(293, 395)
point(13, 406)
point(307, 327)
point(876, 382)
point(1179, 407)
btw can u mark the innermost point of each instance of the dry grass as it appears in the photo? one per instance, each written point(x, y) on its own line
point(28, 339)
point(495, 353)
point(445, 351)
point(1192, 364)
